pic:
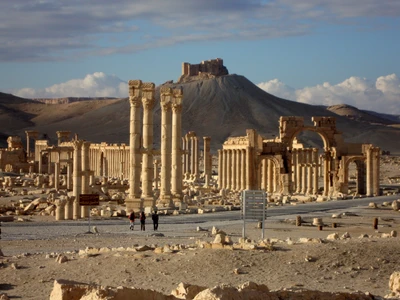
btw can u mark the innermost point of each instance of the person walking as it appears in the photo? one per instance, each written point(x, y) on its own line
point(131, 220)
point(142, 218)
point(154, 217)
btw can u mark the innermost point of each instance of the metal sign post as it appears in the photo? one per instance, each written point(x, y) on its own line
point(254, 208)
point(89, 200)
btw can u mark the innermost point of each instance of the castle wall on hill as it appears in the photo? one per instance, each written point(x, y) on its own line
point(214, 67)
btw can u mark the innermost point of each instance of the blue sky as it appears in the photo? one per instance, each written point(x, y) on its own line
point(315, 51)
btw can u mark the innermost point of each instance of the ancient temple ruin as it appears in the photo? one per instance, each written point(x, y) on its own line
point(283, 166)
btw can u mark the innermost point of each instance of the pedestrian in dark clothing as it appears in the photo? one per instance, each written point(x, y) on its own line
point(131, 220)
point(142, 218)
point(154, 217)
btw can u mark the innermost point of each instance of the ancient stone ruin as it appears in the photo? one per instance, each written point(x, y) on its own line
point(206, 69)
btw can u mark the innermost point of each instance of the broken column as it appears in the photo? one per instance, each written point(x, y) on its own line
point(85, 176)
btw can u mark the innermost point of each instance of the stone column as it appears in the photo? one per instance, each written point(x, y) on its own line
point(176, 172)
point(239, 169)
point(234, 170)
point(60, 209)
point(133, 201)
point(196, 157)
point(156, 172)
point(85, 210)
point(294, 170)
point(207, 158)
point(69, 175)
point(264, 177)
point(303, 171)
point(316, 168)
point(243, 171)
point(229, 169)
point(369, 171)
point(187, 153)
point(192, 155)
point(298, 170)
point(77, 181)
point(165, 192)
point(220, 168)
point(224, 168)
point(40, 166)
point(250, 168)
point(183, 155)
point(69, 209)
point(270, 176)
point(147, 157)
point(57, 175)
point(327, 158)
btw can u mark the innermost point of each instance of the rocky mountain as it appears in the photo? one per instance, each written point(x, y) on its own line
point(217, 107)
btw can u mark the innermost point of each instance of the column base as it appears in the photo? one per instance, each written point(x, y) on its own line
point(166, 200)
point(134, 204)
point(149, 201)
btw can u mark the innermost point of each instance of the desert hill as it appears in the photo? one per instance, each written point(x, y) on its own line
point(217, 107)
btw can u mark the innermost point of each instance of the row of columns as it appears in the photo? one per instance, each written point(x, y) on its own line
point(305, 170)
point(190, 159)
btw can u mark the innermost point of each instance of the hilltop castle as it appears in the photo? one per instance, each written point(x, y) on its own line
point(206, 69)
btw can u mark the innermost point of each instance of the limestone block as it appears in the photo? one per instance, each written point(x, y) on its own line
point(61, 259)
point(372, 205)
point(3, 296)
point(396, 205)
point(394, 282)
point(332, 237)
point(219, 239)
point(187, 291)
point(317, 222)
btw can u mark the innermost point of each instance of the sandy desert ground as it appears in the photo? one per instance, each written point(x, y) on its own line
point(363, 261)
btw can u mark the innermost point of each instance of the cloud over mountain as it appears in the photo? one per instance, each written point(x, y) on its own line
point(97, 84)
point(381, 95)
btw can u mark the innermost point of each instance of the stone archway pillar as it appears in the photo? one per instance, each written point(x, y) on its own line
point(316, 167)
point(327, 159)
point(298, 170)
point(294, 170)
point(375, 167)
point(309, 171)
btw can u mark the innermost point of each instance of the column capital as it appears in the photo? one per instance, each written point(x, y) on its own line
point(77, 144)
point(148, 103)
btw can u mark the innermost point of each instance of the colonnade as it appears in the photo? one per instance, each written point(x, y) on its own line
point(141, 164)
point(190, 159)
point(305, 170)
point(233, 167)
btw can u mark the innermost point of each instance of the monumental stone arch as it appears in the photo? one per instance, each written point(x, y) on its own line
point(284, 166)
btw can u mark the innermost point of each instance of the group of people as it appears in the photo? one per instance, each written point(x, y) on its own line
point(142, 219)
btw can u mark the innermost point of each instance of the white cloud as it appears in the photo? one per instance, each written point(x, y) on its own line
point(97, 84)
point(383, 95)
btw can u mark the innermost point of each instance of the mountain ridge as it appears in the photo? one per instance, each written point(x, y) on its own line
point(217, 107)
